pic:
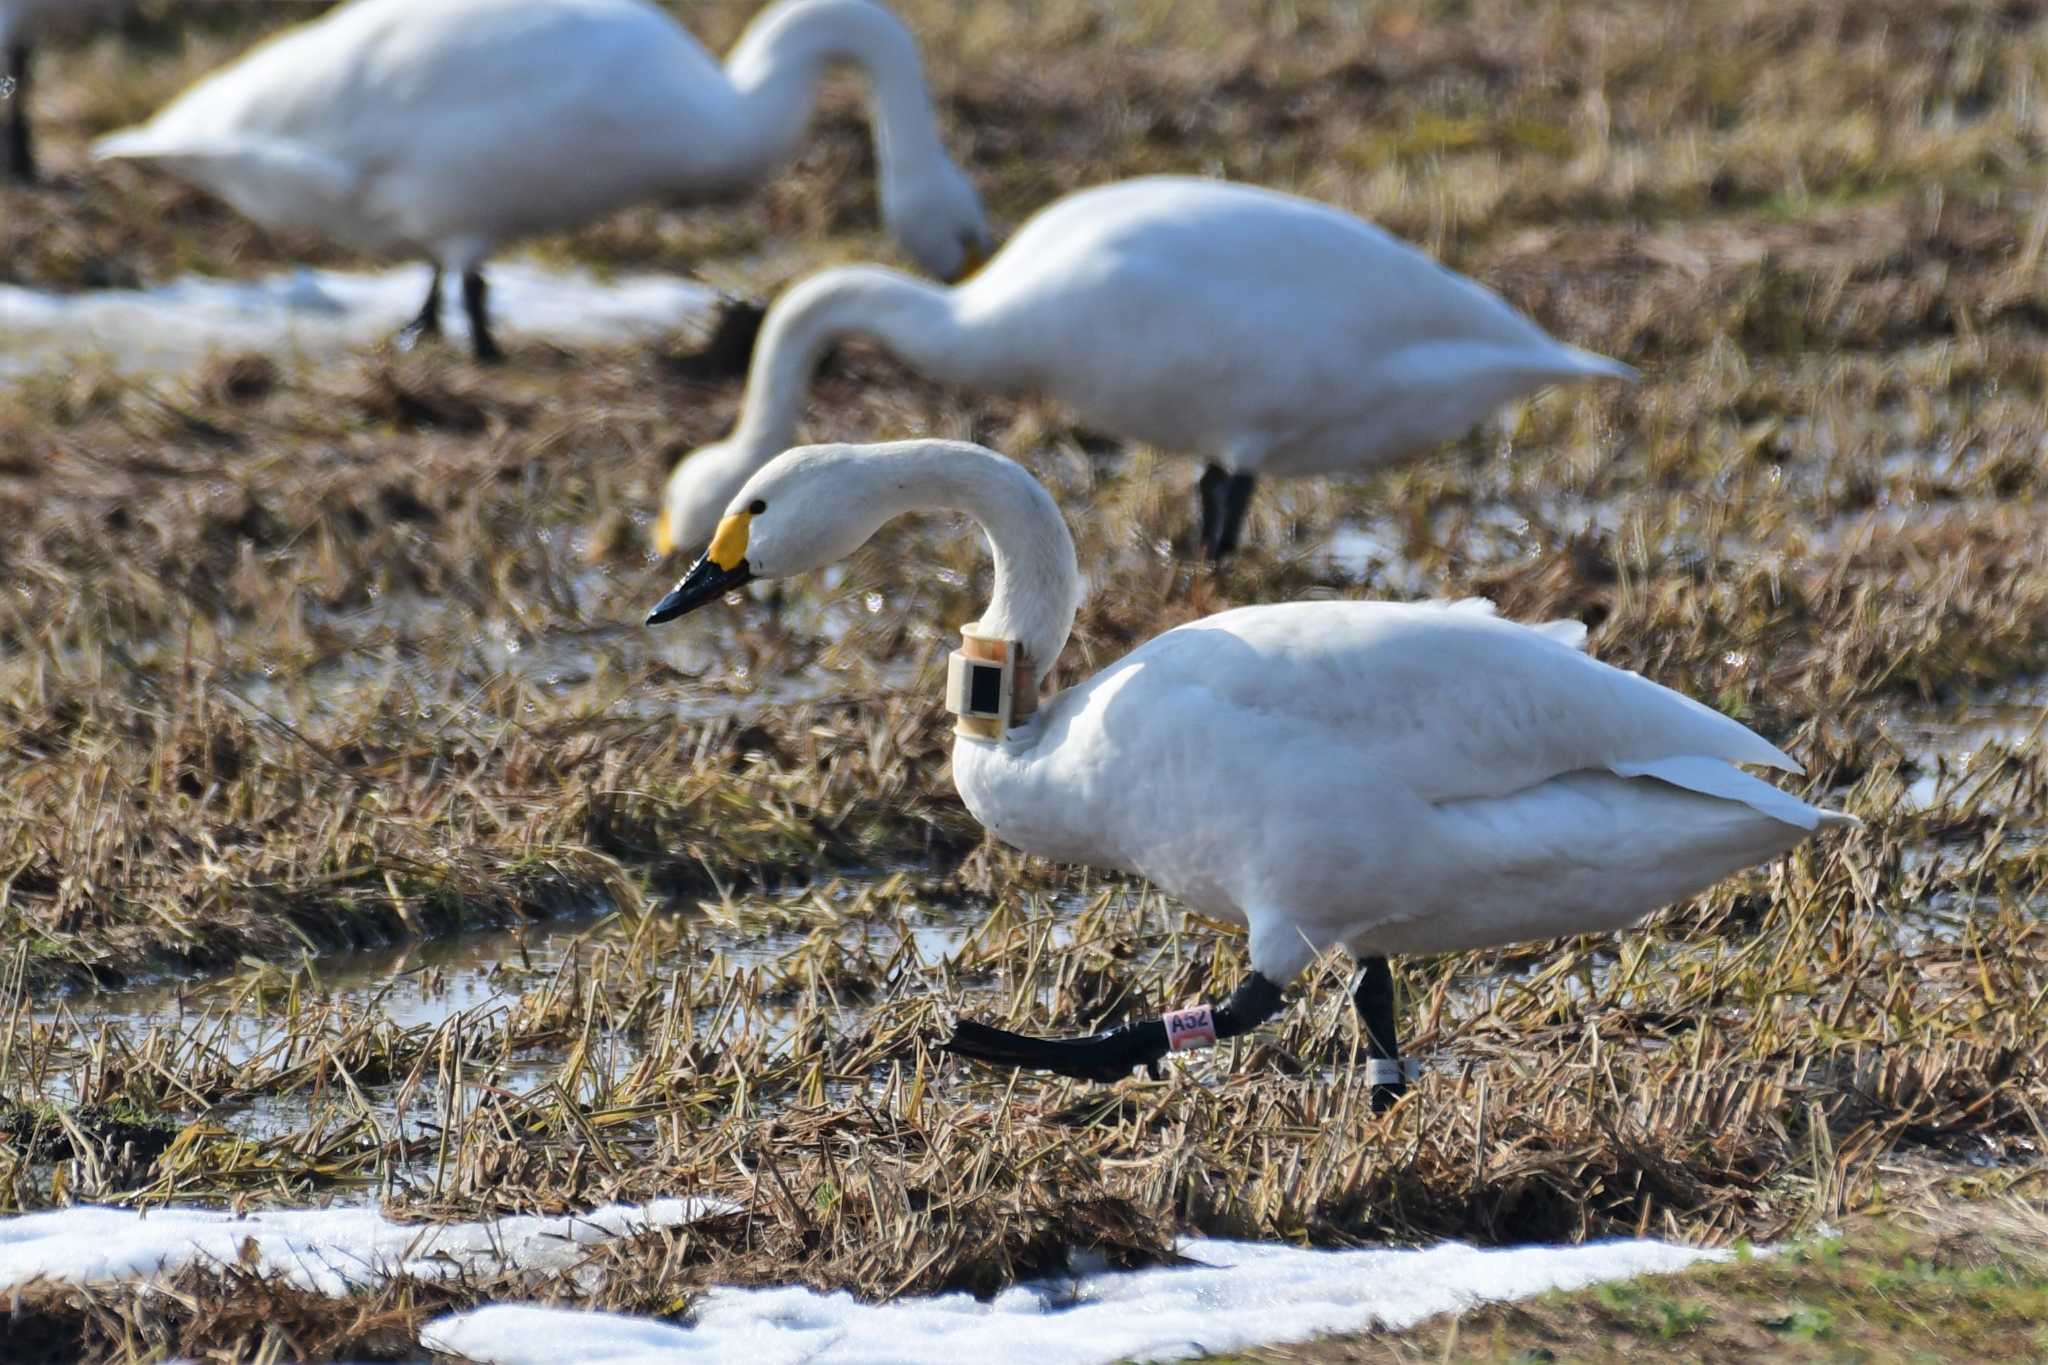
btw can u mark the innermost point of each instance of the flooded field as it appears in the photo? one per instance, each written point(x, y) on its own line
point(360, 848)
point(334, 1074)
point(312, 315)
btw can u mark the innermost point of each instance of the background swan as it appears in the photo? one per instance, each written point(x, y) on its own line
point(445, 128)
point(1267, 333)
point(22, 23)
point(1390, 778)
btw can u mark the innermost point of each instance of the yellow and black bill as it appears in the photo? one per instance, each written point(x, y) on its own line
point(705, 582)
point(717, 572)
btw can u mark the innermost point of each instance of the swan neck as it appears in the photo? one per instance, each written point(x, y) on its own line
point(1037, 580)
point(912, 318)
point(779, 62)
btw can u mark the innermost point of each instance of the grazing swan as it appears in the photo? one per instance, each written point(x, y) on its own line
point(444, 128)
point(1391, 778)
point(1268, 334)
point(21, 23)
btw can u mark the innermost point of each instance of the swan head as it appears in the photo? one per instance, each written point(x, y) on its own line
point(806, 508)
point(700, 487)
point(934, 212)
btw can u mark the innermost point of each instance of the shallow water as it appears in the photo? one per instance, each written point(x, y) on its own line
point(467, 982)
point(1942, 742)
point(309, 313)
point(1371, 549)
point(427, 983)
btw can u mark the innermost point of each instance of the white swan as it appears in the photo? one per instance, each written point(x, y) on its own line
point(1266, 333)
point(1388, 778)
point(22, 22)
point(444, 128)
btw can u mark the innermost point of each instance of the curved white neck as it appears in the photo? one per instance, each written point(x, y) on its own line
point(1037, 580)
point(776, 67)
point(912, 318)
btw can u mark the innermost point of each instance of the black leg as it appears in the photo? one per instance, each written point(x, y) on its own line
point(428, 323)
point(1207, 490)
point(1232, 494)
point(1114, 1054)
point(1374, 997)
point(21, 157)
point(475, 302)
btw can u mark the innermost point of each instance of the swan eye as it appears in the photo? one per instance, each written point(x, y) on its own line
point(756, 508)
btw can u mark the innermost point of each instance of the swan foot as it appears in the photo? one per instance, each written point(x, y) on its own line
point(1373, 997)
point(412, 334)
point(1225, 496)
point(1105, 1057)
point(426, 325)
point(1115, 1053)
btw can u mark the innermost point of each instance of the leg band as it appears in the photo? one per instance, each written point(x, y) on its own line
point(1191, 1026)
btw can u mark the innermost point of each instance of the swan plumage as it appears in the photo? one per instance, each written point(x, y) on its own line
point(1265, 333)
point(1383, 777)
point(444, 128)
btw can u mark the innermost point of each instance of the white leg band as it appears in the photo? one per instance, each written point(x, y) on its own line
point(1190, 1027)
point(1390, 1071)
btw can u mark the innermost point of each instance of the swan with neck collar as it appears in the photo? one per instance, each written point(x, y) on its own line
point(1388, 778)
point(1265, 333)
point(444, 128)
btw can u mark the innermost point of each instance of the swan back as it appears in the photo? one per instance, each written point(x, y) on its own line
point(448, 126)
point(1392, 777)
point(1457, 702)
point(372, 74)
point(1269, 332)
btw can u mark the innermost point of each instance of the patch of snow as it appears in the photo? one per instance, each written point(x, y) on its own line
point(1231, 1295)
point(174, 326)
point(1239, 1295)
point(329, 1251)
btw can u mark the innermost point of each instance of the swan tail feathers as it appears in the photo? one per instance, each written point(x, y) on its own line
point(1593, 365)
point(219, 161)
point(129, 142)
point(1713, 777)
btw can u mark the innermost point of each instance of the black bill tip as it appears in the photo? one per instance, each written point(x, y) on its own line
point(705, 582)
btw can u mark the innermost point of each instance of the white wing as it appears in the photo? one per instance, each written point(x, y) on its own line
point(1451, 701)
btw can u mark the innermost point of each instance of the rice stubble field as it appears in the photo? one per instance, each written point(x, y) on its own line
point(299, 660)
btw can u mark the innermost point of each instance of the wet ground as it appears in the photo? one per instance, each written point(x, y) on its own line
point(307, 645)
point(308, 315)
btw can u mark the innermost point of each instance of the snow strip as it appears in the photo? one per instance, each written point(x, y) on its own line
point(330, 1251)
point(1240, 1295)
point(1233, 1295)
point(174, 326)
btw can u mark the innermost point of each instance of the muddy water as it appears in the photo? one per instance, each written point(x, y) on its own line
point(426, 984)
point(1946, 745)
point(468, 984)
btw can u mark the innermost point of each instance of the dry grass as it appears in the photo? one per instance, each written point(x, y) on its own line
point(1901, 1291)
point(293, 660)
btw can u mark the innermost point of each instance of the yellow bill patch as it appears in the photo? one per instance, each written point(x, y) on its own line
point(729, 546)
point(664, 543)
